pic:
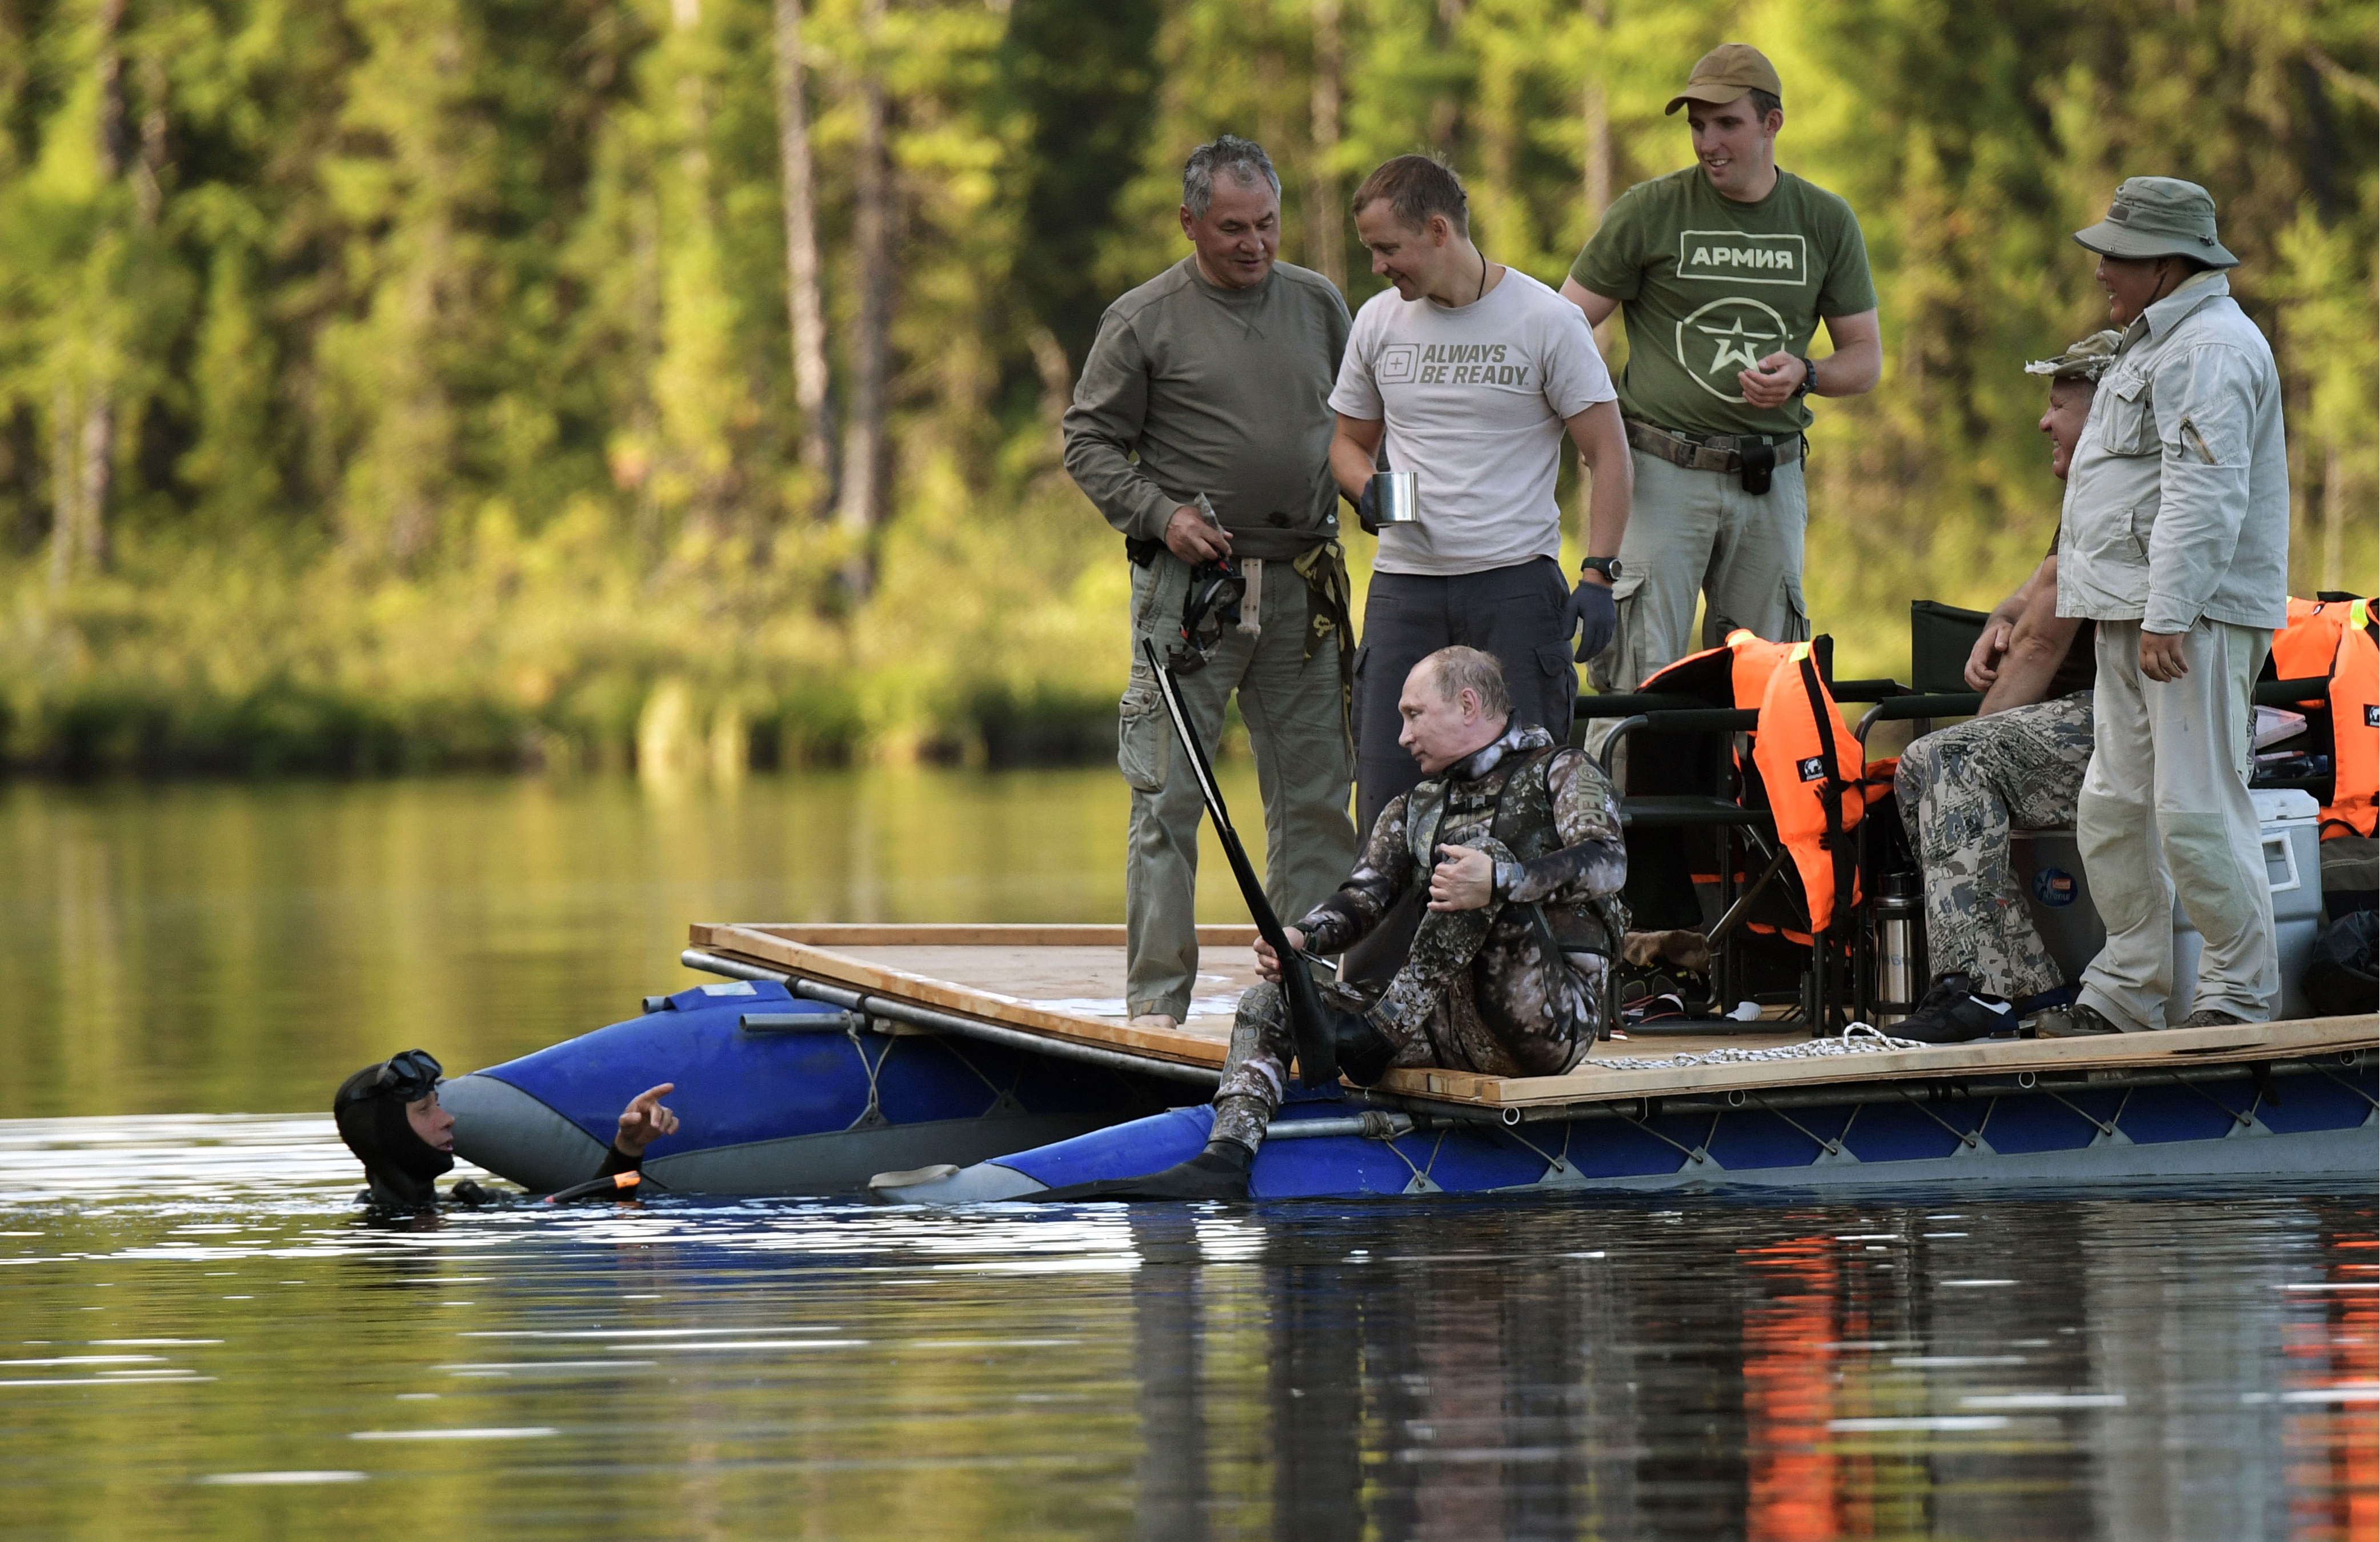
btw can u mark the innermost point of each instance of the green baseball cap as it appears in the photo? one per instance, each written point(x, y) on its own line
point(2158, 216)
point(2086, 360)
point(1726, 73)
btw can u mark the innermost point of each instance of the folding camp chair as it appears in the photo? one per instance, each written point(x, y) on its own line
point(1687, 745)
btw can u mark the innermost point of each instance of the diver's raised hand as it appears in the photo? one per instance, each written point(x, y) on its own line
point(644, 1121)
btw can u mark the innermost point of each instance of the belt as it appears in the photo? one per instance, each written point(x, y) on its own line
point(1717, 452)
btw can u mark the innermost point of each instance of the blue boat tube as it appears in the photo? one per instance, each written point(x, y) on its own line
point(2310, 1119)
point(781, 1095)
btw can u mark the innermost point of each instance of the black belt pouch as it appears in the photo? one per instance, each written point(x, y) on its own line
point(1759, 467)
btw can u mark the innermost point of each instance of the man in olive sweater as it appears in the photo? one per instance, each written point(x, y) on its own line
point(1211, 382)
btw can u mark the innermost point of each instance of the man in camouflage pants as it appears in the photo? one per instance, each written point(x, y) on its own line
point(2018, 765)
point(1508, 855)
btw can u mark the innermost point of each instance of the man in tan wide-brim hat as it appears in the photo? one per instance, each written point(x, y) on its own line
point(2175, 542)
point(1723, 273)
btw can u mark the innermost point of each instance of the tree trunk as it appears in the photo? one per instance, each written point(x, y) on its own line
point(1327, 221)
point(82, 463)
point(98, 468)
point(862, 503)
point(65, 488)
point(1598, 121)
point(805, 303)
point(2334, 522)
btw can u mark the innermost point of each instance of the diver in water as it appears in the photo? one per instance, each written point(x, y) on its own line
point(389, 1116)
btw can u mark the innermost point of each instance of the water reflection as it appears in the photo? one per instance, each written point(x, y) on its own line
point(201, 1328)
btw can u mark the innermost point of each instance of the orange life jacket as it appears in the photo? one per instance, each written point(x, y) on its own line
point(1810, 765)
point(1808, 761)
point(2331, 637)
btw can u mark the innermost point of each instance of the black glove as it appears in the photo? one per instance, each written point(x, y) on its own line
point(1367, 512)
point(1594, 614)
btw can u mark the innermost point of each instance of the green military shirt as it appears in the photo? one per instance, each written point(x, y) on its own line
point(1711, 286)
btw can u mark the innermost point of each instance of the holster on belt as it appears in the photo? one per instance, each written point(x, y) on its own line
point(1753, 457)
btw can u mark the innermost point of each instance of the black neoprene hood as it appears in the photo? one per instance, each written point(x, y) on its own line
point(370, 1110)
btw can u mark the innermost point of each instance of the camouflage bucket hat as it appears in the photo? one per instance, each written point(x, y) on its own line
point(2086, 360)
point(2158, 216)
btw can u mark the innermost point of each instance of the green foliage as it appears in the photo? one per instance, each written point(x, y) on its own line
point(431, 363)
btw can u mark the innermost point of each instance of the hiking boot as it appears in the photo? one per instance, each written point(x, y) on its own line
point(1363, 1050)
point(1954, 1012)
point(2209, 1017)
point(1221, 1172)
point(2076, 1022)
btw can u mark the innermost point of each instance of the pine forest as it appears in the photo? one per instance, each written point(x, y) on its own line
point(395, 384)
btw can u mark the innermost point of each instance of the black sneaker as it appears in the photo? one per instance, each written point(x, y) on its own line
point(1954, 1012)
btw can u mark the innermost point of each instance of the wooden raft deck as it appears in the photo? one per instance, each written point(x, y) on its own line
point(1066, 982)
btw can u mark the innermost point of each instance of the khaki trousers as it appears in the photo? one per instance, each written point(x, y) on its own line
point(1696, 533)
point(2165, 805)
point(1305, 772)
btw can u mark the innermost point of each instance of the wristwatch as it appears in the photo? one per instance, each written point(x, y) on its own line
point(1608, 566)
point(1809, 377)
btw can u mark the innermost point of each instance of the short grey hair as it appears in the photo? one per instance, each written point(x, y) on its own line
point(1460, 669)
point(1244, 158)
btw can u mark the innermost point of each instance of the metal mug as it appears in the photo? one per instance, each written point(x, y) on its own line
point(1396, 498)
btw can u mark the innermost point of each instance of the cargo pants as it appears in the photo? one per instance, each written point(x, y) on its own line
point(2165, 805)
point(1485, 990)
point(1961, 791)
point(1297, 730)
point(1693, 534)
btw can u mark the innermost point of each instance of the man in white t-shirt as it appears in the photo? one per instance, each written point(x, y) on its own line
point(1471, 373)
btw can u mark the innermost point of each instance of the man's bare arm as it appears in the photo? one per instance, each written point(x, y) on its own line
point(1855, 366)
point(1353, 446)
point(1602, 441)
point(1598, 308)
point(1982, 669)
point(2036, 649)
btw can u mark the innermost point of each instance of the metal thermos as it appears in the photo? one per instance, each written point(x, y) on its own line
point(1396, 497)
point(1900, 913)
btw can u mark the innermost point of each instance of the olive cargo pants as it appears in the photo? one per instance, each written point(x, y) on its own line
point(1291, 704)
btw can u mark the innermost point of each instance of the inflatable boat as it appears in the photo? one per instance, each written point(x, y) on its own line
point(831, 1053)
point(961, 1064)
point(2293, 1101)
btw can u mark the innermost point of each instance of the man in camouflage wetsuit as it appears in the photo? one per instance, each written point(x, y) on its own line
point(2018, 765)
point(1507, 856)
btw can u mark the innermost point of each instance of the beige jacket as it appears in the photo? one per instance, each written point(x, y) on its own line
point(2178, 505)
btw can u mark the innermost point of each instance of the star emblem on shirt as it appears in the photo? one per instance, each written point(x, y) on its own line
point(1736, 344)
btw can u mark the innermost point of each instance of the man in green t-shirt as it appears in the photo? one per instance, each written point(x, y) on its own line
point(1726, 270)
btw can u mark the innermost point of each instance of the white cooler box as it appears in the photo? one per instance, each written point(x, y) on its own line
point(2050, 868)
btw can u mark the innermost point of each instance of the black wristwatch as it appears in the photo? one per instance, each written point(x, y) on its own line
point(1809, 378)
point(1608, 566)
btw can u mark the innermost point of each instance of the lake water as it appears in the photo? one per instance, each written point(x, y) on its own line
point(200, 1336)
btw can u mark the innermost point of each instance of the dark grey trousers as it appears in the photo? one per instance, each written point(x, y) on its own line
point(1514, 612)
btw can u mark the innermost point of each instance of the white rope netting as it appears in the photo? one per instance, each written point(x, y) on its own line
point(1859, 1038)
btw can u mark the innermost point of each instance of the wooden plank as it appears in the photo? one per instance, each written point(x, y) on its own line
point(1086, 982)
point(2171, 1048)
point(922, 934)
point(767, 946)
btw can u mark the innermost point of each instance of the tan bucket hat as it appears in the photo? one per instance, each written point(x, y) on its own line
point(1726, 73)
point(2158, 216)
point(2086, 360)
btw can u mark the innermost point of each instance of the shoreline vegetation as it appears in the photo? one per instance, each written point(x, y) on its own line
point(674, 383)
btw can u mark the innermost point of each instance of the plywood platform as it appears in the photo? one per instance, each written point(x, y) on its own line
point(1066, 982)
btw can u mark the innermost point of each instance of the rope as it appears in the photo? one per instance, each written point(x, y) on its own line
point(1857, 1040)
